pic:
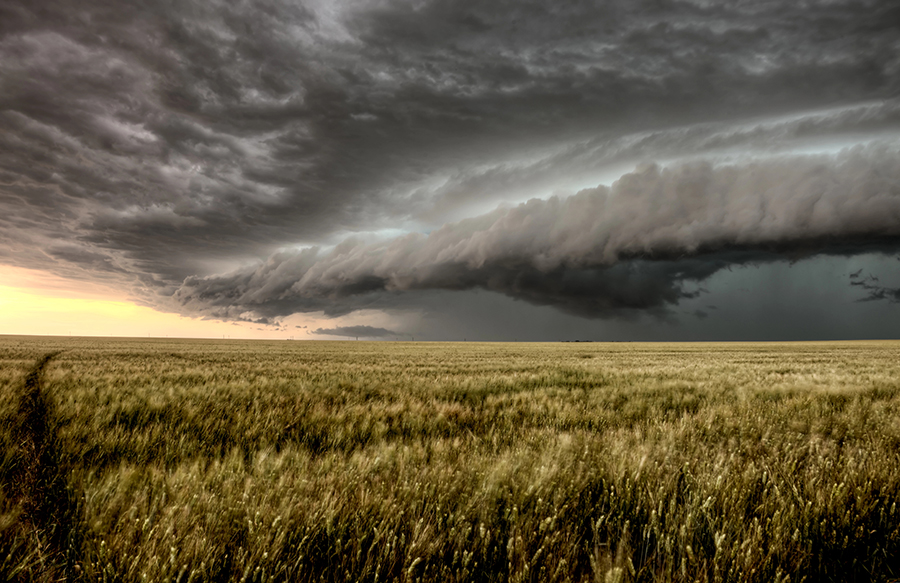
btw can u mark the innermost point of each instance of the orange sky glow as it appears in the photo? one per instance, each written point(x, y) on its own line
point(35, 303)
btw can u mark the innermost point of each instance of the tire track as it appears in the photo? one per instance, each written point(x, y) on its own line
point(50, 517)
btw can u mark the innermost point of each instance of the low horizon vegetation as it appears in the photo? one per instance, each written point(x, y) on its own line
point(190, 460)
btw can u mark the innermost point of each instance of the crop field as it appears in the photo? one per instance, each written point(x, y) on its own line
point(187, 460)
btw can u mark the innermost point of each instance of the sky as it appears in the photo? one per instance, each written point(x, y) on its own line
point(445, 170)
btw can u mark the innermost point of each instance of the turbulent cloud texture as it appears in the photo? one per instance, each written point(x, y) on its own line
point(603, 250)
point(873, 288)
point(363, 147)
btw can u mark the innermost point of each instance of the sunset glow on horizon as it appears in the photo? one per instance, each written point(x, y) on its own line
point(473, 170)
point(40, 304)
point(34, 303)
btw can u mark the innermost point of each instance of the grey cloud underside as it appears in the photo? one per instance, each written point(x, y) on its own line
point(355, 332)
point(644, 244)
point(164, 139)
point(154, 145)
point(581, 162)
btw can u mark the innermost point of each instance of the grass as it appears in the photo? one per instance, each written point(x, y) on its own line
point(330, 461)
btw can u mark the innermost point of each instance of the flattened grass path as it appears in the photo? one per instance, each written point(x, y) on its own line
point(49, 514)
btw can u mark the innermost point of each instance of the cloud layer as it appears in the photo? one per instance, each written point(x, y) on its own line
point(163, 147)
point(355, 332)
point(603, 251)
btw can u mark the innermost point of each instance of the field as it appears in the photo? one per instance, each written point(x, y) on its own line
point(179, 460)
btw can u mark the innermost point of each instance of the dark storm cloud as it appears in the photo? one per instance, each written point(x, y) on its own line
point(581, 161)
point(601, 252)
point(875, 291)
point(355, 332)
point(155, 144)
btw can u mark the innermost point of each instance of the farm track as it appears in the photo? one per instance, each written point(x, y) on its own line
point(49, 513)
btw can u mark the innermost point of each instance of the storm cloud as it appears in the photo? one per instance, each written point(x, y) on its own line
point(355, 332)
point(602, 251)
point(258, 159)
point(875, 291)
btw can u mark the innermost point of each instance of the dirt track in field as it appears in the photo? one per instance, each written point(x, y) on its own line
point(38, 485)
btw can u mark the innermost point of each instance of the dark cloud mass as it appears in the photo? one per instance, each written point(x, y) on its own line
point(355, 332)
point(252, 160)
point(603, 251)
point(874, 289)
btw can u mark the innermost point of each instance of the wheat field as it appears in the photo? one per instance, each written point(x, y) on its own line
point(201, 460)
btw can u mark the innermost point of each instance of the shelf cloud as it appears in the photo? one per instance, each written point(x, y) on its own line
point(603, 251)
point(254, 160)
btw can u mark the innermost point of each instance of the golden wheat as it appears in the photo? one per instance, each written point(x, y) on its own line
point(355, 461)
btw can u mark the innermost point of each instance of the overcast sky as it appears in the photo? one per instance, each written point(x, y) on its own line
point(532, 170)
